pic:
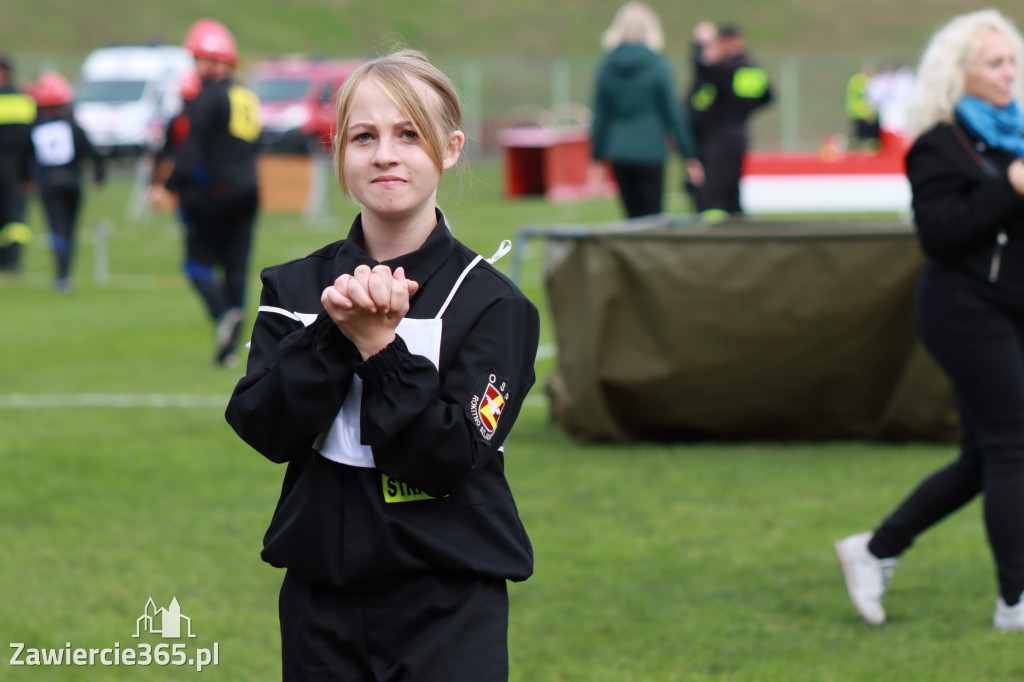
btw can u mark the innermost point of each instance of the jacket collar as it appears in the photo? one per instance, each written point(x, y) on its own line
point(419, 265)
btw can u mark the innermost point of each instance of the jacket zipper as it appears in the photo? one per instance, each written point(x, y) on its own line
point(997, 256)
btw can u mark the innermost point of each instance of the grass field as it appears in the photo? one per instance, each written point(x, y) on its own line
point(120, 481)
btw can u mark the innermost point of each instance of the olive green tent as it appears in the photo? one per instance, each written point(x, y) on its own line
point(745, 331)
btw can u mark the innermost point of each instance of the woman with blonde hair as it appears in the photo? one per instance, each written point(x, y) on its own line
point(636, 108)
point(967, 177)
point(386, 370)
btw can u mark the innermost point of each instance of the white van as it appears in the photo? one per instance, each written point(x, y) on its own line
point(127, 94)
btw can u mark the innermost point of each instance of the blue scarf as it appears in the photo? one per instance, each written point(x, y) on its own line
point(1001, 127)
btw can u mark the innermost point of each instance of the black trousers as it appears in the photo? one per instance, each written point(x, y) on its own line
point(641, 187)
point(217, 244)
point(12, 210)
point(980, 346)
point(722, 155)
point(865, 132)
point(61, 203)
point(427, 629)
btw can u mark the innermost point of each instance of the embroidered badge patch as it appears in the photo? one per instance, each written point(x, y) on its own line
point(487, 403)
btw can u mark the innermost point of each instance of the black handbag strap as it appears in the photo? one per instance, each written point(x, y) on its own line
point(986, 166)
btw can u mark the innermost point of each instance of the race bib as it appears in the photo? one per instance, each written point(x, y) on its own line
point(54, 143)
point(245, 122)
point(396, 491)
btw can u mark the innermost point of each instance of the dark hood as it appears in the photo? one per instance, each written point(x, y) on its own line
point(629, 58)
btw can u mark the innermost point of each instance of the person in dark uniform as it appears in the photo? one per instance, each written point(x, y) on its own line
point(59, 145)
point(966, 172)
point(386, 370)
point(697, 101)
point(730, 87)
point(189, 87)
point(863, 115)
point(216, 181)
point(17, 112)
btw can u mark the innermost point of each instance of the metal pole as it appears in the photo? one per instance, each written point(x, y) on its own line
point(789, 104)
point(560, 83)
point(472, 86)
point(138, 200)
point(101, 252)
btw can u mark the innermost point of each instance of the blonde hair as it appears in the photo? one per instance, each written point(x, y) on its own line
point(397, 75)
point(941, 75)
point(635, 22)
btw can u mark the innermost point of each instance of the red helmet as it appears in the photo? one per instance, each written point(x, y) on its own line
point(52, 90)
point(210, 39)
point(189, 85)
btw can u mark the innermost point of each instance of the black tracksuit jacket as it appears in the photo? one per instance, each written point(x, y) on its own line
point(332, 524)
point(219, 154)
point(69, 174)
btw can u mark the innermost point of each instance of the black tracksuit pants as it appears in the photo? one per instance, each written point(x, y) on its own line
point(425, 629)
point(217, 244)
point(12, 210)
point(980, 346)
point(722, 155)
point(61, 203)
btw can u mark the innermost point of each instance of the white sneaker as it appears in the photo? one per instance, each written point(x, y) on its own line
point(1009, 617)
point(867, 576)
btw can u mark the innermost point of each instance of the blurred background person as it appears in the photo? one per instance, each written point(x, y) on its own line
point(732, 88)
point(863, 115)
point(889, 92)
point(636, 109)
point(58, 147)
point(216, 181)
point(703, 51)
point(967, 178)
point(17, 112)
point(189, 87)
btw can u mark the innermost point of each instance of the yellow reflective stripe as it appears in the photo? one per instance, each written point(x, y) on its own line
point(714, 215)
point(245, 122)
point(856, 105)
point(750, 81)
point(16, 108)
point(16, 233)
point(396, 491)
point(704, 97)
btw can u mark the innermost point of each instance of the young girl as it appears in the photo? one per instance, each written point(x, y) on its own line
point(387, 369)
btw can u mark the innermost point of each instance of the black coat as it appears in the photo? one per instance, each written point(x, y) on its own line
point(332, 524)
point(962, 200)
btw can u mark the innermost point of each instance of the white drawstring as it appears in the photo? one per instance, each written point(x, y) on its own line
point(458, 282)
point(503, 248)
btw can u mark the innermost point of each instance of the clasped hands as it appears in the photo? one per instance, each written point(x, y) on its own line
point(368, 305)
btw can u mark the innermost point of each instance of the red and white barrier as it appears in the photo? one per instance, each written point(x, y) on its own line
point(829, 181)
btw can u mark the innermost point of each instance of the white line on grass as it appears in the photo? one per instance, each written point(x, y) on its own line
point(124, 282)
